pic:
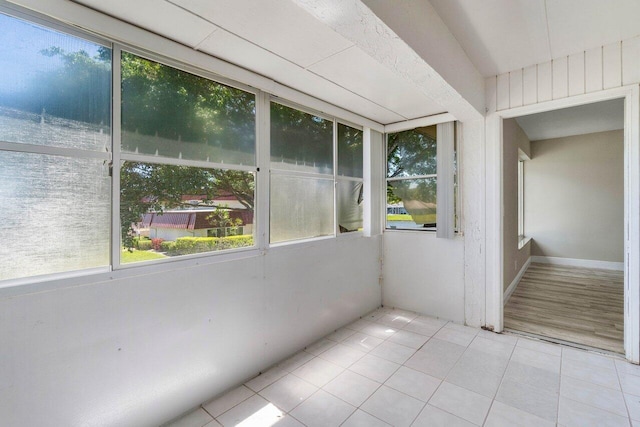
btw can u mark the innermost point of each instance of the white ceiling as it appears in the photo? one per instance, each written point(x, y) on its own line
point(590, 118)
point(279, 40)
point(504, 35)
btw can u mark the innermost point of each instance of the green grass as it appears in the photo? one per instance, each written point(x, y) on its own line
point(137, 256)
point(429, 218)
point(399, 217)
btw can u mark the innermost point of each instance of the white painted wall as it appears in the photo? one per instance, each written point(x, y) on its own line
point(603, 67)
point(141, 349)
point(424, 274)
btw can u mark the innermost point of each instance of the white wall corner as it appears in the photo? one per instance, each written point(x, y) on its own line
point(472, 177)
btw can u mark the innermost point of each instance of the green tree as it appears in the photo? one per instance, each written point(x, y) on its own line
point(78, 90)
point(410, 153)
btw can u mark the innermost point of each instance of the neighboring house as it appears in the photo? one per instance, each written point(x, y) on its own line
point(171, 225)
point(396, 209)
point(196, 220)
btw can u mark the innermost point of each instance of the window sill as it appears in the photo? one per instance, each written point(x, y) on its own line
point(522, 241)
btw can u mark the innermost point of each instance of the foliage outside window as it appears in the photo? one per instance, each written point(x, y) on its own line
point(177, 209)
point(412, 179)
point(54, 132)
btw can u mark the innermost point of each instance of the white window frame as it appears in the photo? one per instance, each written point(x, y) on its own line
point(344, 178)
point(118, 35)
point(74, 153)
point(119, 156)
point(520, 199)
point(445, 158)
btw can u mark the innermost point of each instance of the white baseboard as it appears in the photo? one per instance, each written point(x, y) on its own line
point(586, 263)
point(514, 284)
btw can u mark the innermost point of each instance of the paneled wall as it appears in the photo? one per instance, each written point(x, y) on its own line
point(605, 67)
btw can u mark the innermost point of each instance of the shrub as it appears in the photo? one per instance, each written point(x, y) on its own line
point(168, 246)
point(156, 243)
point(194, 245)
point(143, 245)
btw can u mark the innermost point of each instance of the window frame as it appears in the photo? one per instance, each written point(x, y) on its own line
point(344, 178)
point(66, 152)
point(435, 120)
point(149, 45)
point(119, 156)
point(334, 176)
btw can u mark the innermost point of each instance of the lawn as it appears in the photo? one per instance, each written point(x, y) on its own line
point(399, 217)
point(137, 256)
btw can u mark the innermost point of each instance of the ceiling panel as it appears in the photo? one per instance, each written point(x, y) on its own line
point(158, 17)
point(231, 48)
point(359, 72)
point(577, 25)
point(278, 26)
point(590, 118)
point(498, 35)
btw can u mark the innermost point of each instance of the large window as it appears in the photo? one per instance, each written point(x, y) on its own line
point(164, 164)
point(187, 177)
point(55, 134)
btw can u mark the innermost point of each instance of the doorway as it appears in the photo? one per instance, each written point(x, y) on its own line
point(631, 211)
point(563, 182)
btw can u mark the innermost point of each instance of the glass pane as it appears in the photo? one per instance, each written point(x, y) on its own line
point(350, 212)
point(168, 210)
point(412, 152)
point(411, 204)
point(55, 214)
point(55, 89)
point(171, 113)
point(300, 207)
point(300, 141)
point(349, 151)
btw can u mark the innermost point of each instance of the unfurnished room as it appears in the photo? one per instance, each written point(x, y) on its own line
point(319, 213)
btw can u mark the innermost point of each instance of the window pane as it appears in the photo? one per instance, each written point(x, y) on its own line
point(55, 89)
point(171, 113)
point(349, 151)
point(300, 141)
point(350, 212)
point(168, 210)
point(55, 214)
point(301, 207)
point(412, 152)
point(411, 203)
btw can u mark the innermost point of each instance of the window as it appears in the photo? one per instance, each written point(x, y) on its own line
point(421, 179)
point(55, 128)
point(187, 176)
point(520, 199)
point(349, 183)
point(412, 179)
point(174, 174)
point(302, 182)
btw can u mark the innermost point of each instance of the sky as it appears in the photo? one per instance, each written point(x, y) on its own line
point(20, 46)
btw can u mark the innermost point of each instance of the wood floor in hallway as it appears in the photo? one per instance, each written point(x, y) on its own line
point(579, 305)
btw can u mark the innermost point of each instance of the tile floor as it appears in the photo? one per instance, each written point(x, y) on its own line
point(394, 367)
